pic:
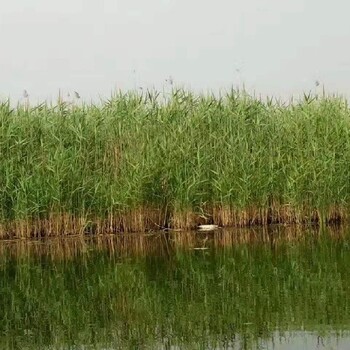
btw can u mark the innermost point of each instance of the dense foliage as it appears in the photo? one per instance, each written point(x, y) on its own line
point(139, 162)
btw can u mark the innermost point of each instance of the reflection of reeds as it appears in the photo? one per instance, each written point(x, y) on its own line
point(123, 245)
point(72, 292)
point(137, 164)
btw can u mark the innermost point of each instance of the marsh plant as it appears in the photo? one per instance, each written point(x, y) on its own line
point(140, 162)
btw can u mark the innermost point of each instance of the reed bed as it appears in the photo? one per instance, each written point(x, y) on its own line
point(141, 162)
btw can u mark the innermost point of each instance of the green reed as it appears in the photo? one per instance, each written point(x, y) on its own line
point(140, 162)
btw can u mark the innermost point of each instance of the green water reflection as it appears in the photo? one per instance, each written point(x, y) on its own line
point(239, 296)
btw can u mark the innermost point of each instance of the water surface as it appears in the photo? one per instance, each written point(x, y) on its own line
point(279, 289)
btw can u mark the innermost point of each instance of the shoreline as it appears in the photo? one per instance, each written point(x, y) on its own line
point(143, 221)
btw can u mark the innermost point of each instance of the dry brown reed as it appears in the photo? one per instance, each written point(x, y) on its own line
point(145, 219)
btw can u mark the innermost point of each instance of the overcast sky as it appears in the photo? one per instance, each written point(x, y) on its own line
point(274, 47)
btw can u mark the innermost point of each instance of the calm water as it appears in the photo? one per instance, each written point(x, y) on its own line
point(281, 289)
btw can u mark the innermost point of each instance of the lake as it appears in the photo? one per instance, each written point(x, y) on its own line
point(276, 288)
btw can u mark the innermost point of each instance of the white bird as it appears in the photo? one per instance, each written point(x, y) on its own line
point(76, 94)
point(207, 227)
point(25, 93)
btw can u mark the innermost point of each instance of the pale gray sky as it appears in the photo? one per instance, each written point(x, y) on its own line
point(275, 47)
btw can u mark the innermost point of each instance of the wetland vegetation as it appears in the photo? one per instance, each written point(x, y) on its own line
point(139, 162)
point(248, 290)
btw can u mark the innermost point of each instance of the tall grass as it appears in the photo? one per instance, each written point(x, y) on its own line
point(140, 162)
